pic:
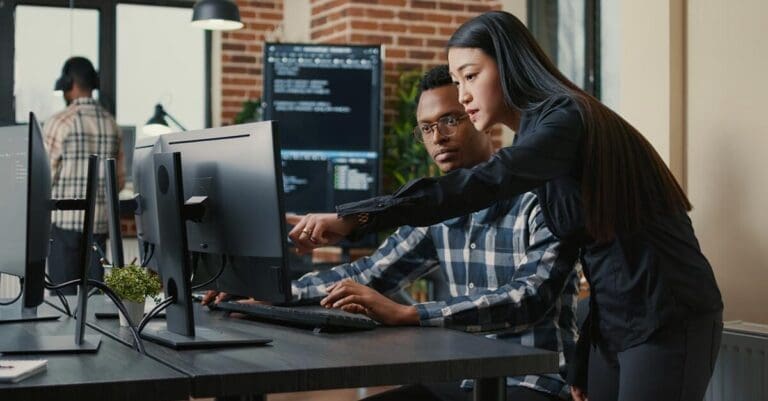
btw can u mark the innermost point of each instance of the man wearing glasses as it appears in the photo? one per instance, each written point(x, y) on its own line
point(507, 274)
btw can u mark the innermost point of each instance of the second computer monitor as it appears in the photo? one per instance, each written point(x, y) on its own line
point(237, 169)
point(327, 100)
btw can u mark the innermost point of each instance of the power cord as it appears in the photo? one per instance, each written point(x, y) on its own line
point(138, 344)
point(214, 278)
point(156, 310)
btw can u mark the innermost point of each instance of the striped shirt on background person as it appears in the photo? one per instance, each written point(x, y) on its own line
point(84, 128)
point(506, 272)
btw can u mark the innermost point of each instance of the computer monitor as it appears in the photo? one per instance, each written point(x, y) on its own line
point(225, 186)
point(146, 209)
point(25, 173)
point(327, 100)
point(25, 176)
point(128, 132)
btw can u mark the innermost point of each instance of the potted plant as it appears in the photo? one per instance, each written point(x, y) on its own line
point(133, 284)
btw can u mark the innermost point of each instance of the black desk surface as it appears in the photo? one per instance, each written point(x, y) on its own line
point(115, 372)
point(300, 360)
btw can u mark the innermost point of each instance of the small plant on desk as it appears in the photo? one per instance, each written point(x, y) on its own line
point(133, 284)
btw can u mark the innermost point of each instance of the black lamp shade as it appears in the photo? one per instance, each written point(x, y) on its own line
point(158, 117)
point(216, 15)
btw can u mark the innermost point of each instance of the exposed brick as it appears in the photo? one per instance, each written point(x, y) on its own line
point(421, 54)
point(442, 18)
point(379, 13)
point(423, 4)
point(393, 27)
point(425, 29)
point(233, 46)
point(410, 41)
point(364, 25)
point(445, 5)
point(410, 16)
point(414, 32)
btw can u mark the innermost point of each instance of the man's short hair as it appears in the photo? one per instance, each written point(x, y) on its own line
point(77, 70)
point(434, 78)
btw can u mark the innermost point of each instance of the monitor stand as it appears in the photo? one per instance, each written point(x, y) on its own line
point(23, 339)
point(15, 313)
point(31, 344)
point(179, 330)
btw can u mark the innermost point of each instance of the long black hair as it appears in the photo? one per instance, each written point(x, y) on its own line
point(623, 178)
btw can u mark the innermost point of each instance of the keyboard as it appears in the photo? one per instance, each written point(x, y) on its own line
point(308, 317)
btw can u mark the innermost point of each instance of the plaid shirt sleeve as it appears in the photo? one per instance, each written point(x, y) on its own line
point(402, 257)
point(518, 304)
point(54, 133)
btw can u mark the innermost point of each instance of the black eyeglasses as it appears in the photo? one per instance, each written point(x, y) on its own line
point(446, 125)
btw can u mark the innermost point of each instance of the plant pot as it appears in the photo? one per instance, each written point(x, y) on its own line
point(135, 311)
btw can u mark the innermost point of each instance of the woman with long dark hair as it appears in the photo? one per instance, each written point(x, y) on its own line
point(656, 311)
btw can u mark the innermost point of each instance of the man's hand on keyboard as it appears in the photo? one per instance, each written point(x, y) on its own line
point(353, 297)
point(213, 296)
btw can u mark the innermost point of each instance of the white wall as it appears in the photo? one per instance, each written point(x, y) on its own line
point(727, 144)
point(643, 57)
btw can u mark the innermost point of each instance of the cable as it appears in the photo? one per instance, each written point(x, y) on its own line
point(221, 270)
point(121, 308)
point(119, 304)
point(21, 291)
point(151, 253)
point(62, 298)
point(157, 309)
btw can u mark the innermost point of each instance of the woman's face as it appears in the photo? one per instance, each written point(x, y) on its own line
point(477, 78)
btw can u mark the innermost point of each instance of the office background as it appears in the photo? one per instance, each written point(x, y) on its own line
point(686, 73)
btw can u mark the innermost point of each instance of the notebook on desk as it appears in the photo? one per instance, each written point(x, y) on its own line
point(14, 371)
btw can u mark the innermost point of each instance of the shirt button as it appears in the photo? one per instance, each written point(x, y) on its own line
point(471, 285)
point(472, 246)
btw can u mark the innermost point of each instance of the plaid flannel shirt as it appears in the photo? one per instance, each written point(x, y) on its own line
point(71, 136)
point(505, 270)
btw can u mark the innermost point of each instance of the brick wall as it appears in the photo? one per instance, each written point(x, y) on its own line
point(242, 52)
point(413, 32)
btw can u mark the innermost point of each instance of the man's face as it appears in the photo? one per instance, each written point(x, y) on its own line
point(464, 147)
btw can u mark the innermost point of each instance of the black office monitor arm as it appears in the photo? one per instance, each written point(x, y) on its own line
point(179, 331)
point(88, 205)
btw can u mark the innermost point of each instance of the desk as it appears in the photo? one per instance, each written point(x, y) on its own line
point(115, 372)
point(300, 360)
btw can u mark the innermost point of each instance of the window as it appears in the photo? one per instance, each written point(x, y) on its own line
point(160, 62)
point(567, 30)
point(45, 38)
point(37, 36)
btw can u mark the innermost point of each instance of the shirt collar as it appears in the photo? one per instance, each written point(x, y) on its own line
point(84, 100)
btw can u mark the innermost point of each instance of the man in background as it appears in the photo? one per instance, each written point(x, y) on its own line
point(82, 129)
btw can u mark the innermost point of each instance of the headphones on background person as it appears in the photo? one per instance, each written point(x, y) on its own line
point(77, 69)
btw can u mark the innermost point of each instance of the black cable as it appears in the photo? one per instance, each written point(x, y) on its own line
point(216, 277)
point(151, 253)
point(108, 292)
point(60, 295)
point(51, 286)
point(156, 310)
point(21, 291)
point(121, 308)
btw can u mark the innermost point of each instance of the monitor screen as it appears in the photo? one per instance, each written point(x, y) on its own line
point(327, 100)
point(25, 176)
point(14, 176)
